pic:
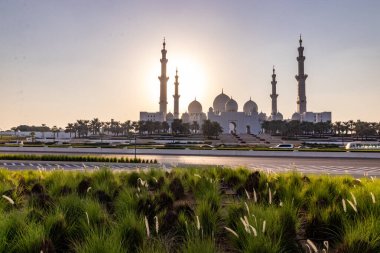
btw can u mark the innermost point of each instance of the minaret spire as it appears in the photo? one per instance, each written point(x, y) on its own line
point(301, 78)
point(163, 82)
point(274, 95)
point(176, 96)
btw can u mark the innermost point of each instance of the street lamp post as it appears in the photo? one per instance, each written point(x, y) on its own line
point(17, 136)
point(135, 146)
point(101, 129)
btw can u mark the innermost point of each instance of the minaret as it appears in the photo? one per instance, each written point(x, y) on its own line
point(274, 95)
point(301, 77)
point(163, 82)
point(176, 96)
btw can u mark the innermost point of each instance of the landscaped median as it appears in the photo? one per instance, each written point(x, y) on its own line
point(207, 209)
point(73, 158)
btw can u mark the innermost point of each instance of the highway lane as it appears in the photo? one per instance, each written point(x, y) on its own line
point(339, 166)
point(334, 166)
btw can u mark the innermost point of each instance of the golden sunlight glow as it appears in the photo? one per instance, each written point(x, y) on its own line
point(192, 81)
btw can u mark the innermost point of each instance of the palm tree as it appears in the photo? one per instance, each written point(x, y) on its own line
point(165, 127)
point(55, 131)
point(94, 126)
point(69, 128)
point(126, 127)
point(76, 129)
point(43, 130)
point(265, 126)
point(135, 126)
point(337, 127)
point(107, 126)
point(82, 127)
point(176, 126)
point(351, 126)
point(211, 129)
point(345, 127)
point(293, 127)
point(194, 127)
point(33, 135)
point(378, 128)
point(157, 126)
point(307, 127)
point(117, 128)
point(149, 126)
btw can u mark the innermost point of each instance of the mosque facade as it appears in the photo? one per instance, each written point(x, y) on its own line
point(225, 112)
point(225, 109)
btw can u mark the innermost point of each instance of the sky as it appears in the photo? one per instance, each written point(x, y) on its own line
point(61, 61)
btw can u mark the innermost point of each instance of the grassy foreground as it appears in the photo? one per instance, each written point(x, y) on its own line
point(187, 210)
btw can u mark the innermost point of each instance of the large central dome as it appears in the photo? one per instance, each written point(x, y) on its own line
point(195, 107)
point(220, 102)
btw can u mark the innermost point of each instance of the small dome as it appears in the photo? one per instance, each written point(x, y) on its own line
point(185, 117)
point(195, 107)
point(169, 116)
point(231, 106)
point(296, 116)
point(249, 107)
point(262, 116)
point(279, 116)
point(210, 109)
point(185, 114)
point(220, 102)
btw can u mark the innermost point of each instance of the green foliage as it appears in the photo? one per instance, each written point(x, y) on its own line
point(206, 209)
point(131, 232)
point(99, 241)
point(73, 158)
point(199, 245)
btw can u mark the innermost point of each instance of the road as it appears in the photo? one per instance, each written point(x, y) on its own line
point(351, 166)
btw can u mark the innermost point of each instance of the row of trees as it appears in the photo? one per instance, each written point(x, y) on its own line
point(83, 128)
point(358, 129)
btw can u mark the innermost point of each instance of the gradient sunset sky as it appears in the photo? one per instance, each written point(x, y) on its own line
point(79, 59)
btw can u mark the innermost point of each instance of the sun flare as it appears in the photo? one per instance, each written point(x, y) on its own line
point(191, 78)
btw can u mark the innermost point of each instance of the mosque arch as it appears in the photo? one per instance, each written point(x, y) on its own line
point(248, 129)
point(232, 127)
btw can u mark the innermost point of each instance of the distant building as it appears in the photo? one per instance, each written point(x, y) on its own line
point(152, 116)
point(225, 112)
point(225, 109)
point(314, 117)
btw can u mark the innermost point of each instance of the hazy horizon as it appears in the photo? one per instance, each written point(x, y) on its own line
point(66, 60)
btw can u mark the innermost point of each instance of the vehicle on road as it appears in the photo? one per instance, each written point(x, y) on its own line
point(284, 145)
point(363, 145)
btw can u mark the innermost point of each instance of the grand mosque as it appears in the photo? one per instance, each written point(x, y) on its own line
point(225, 109)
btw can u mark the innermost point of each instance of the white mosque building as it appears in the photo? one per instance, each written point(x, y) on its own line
point(225, 112)
point(225, 108)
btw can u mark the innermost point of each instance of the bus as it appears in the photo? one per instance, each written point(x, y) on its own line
point(363, 145)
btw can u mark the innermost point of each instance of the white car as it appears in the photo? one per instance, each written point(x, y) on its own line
point(284, 145)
